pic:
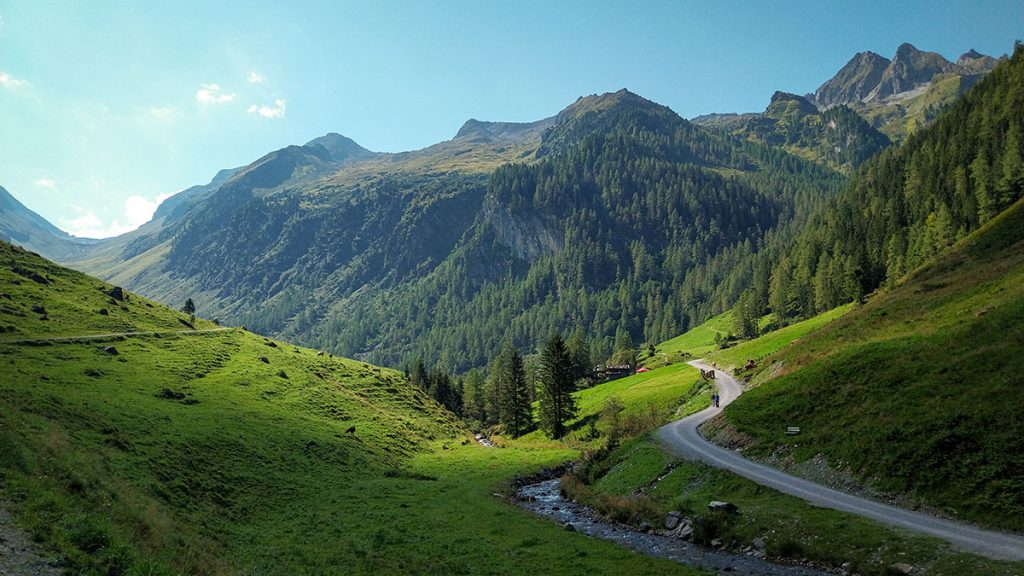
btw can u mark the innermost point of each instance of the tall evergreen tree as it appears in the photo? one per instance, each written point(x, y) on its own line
point(418, 377)
point(514, 408)
point(557, 405)
point(474, 401)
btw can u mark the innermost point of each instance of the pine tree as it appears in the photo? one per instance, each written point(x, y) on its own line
point(557, 405)
point(190, 309)
point(514, 411)
point(474, 399)
point(418, 378)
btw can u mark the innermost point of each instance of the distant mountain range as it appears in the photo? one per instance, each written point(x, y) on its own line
point(614, 217)
point(892, 97)
point(898, 96)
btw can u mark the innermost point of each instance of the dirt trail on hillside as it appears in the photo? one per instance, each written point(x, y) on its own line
point(683, 438)
point(88, 337)
point(19, 555)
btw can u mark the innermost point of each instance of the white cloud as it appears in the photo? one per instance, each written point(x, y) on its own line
point(45, 182)
point(267, 112)
point(163, 113)
point(211, 94)
point(256, 78)
point(10, 81)
point(137, 211)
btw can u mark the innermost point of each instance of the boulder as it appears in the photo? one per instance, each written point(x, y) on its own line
point(644, 527)
point(716, 543)
point(903, 568)
point(758, 543)
point(672, 520)
point(719, 506)
point(110, 350)
point(117, 293)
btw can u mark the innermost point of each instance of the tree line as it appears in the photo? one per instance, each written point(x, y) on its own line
point(506, 391)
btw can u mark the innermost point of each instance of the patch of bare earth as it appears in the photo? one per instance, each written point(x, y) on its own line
point(19, 555)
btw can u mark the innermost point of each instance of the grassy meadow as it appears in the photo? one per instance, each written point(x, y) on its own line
point(229, 453)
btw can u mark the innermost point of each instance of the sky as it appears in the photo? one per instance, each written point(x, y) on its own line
point(107, 108)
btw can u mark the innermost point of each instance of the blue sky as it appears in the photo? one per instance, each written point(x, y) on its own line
point(108, 107)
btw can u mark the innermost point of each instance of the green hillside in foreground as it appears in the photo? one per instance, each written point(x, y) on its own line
point(919, 391)
point(227, 453)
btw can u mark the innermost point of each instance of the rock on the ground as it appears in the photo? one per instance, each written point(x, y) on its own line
point(716, 505)
point(903, 568)
point(672, 520)
point(758, 543)
point(644, 527)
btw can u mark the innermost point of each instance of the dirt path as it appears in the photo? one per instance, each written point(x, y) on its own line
point(683, 438)
point(19, 555)
point(89, 337)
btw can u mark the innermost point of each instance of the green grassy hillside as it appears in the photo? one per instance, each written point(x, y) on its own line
point(919, 391)
point(227, 453)
point(41, 299)
point(771, 342)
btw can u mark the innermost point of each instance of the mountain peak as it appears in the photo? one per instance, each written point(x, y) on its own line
point(906, 50)
point(971, 54)
point(483, 132)
point(339, 147)
point(854, 81)
point(606, 101)
point(785, 103)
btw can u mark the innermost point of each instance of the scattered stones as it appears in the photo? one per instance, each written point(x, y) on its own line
point(719, 506)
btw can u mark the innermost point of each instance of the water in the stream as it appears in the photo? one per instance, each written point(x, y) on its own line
point(544, 499)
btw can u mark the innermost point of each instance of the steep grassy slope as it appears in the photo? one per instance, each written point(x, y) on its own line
point(40, 299)
point(920, 390)
point(773, 341)
point(227, 453)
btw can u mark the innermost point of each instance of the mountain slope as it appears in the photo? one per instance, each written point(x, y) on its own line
point(397, 255)
point(838, 136)
point(24, 227)
point(601, 232)
point(924, 377)
point(909, 203)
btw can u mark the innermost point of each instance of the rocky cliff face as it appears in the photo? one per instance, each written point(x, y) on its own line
point(854, 82)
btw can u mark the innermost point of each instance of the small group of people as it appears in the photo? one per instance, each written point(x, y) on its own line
point(715, 398)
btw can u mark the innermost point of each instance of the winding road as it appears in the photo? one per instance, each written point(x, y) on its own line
point(683, 439)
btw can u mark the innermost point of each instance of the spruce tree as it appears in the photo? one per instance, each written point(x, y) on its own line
point(557, 405)
point(514, 409)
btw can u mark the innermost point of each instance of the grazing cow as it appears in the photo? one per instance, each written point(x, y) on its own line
point(351, 430)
